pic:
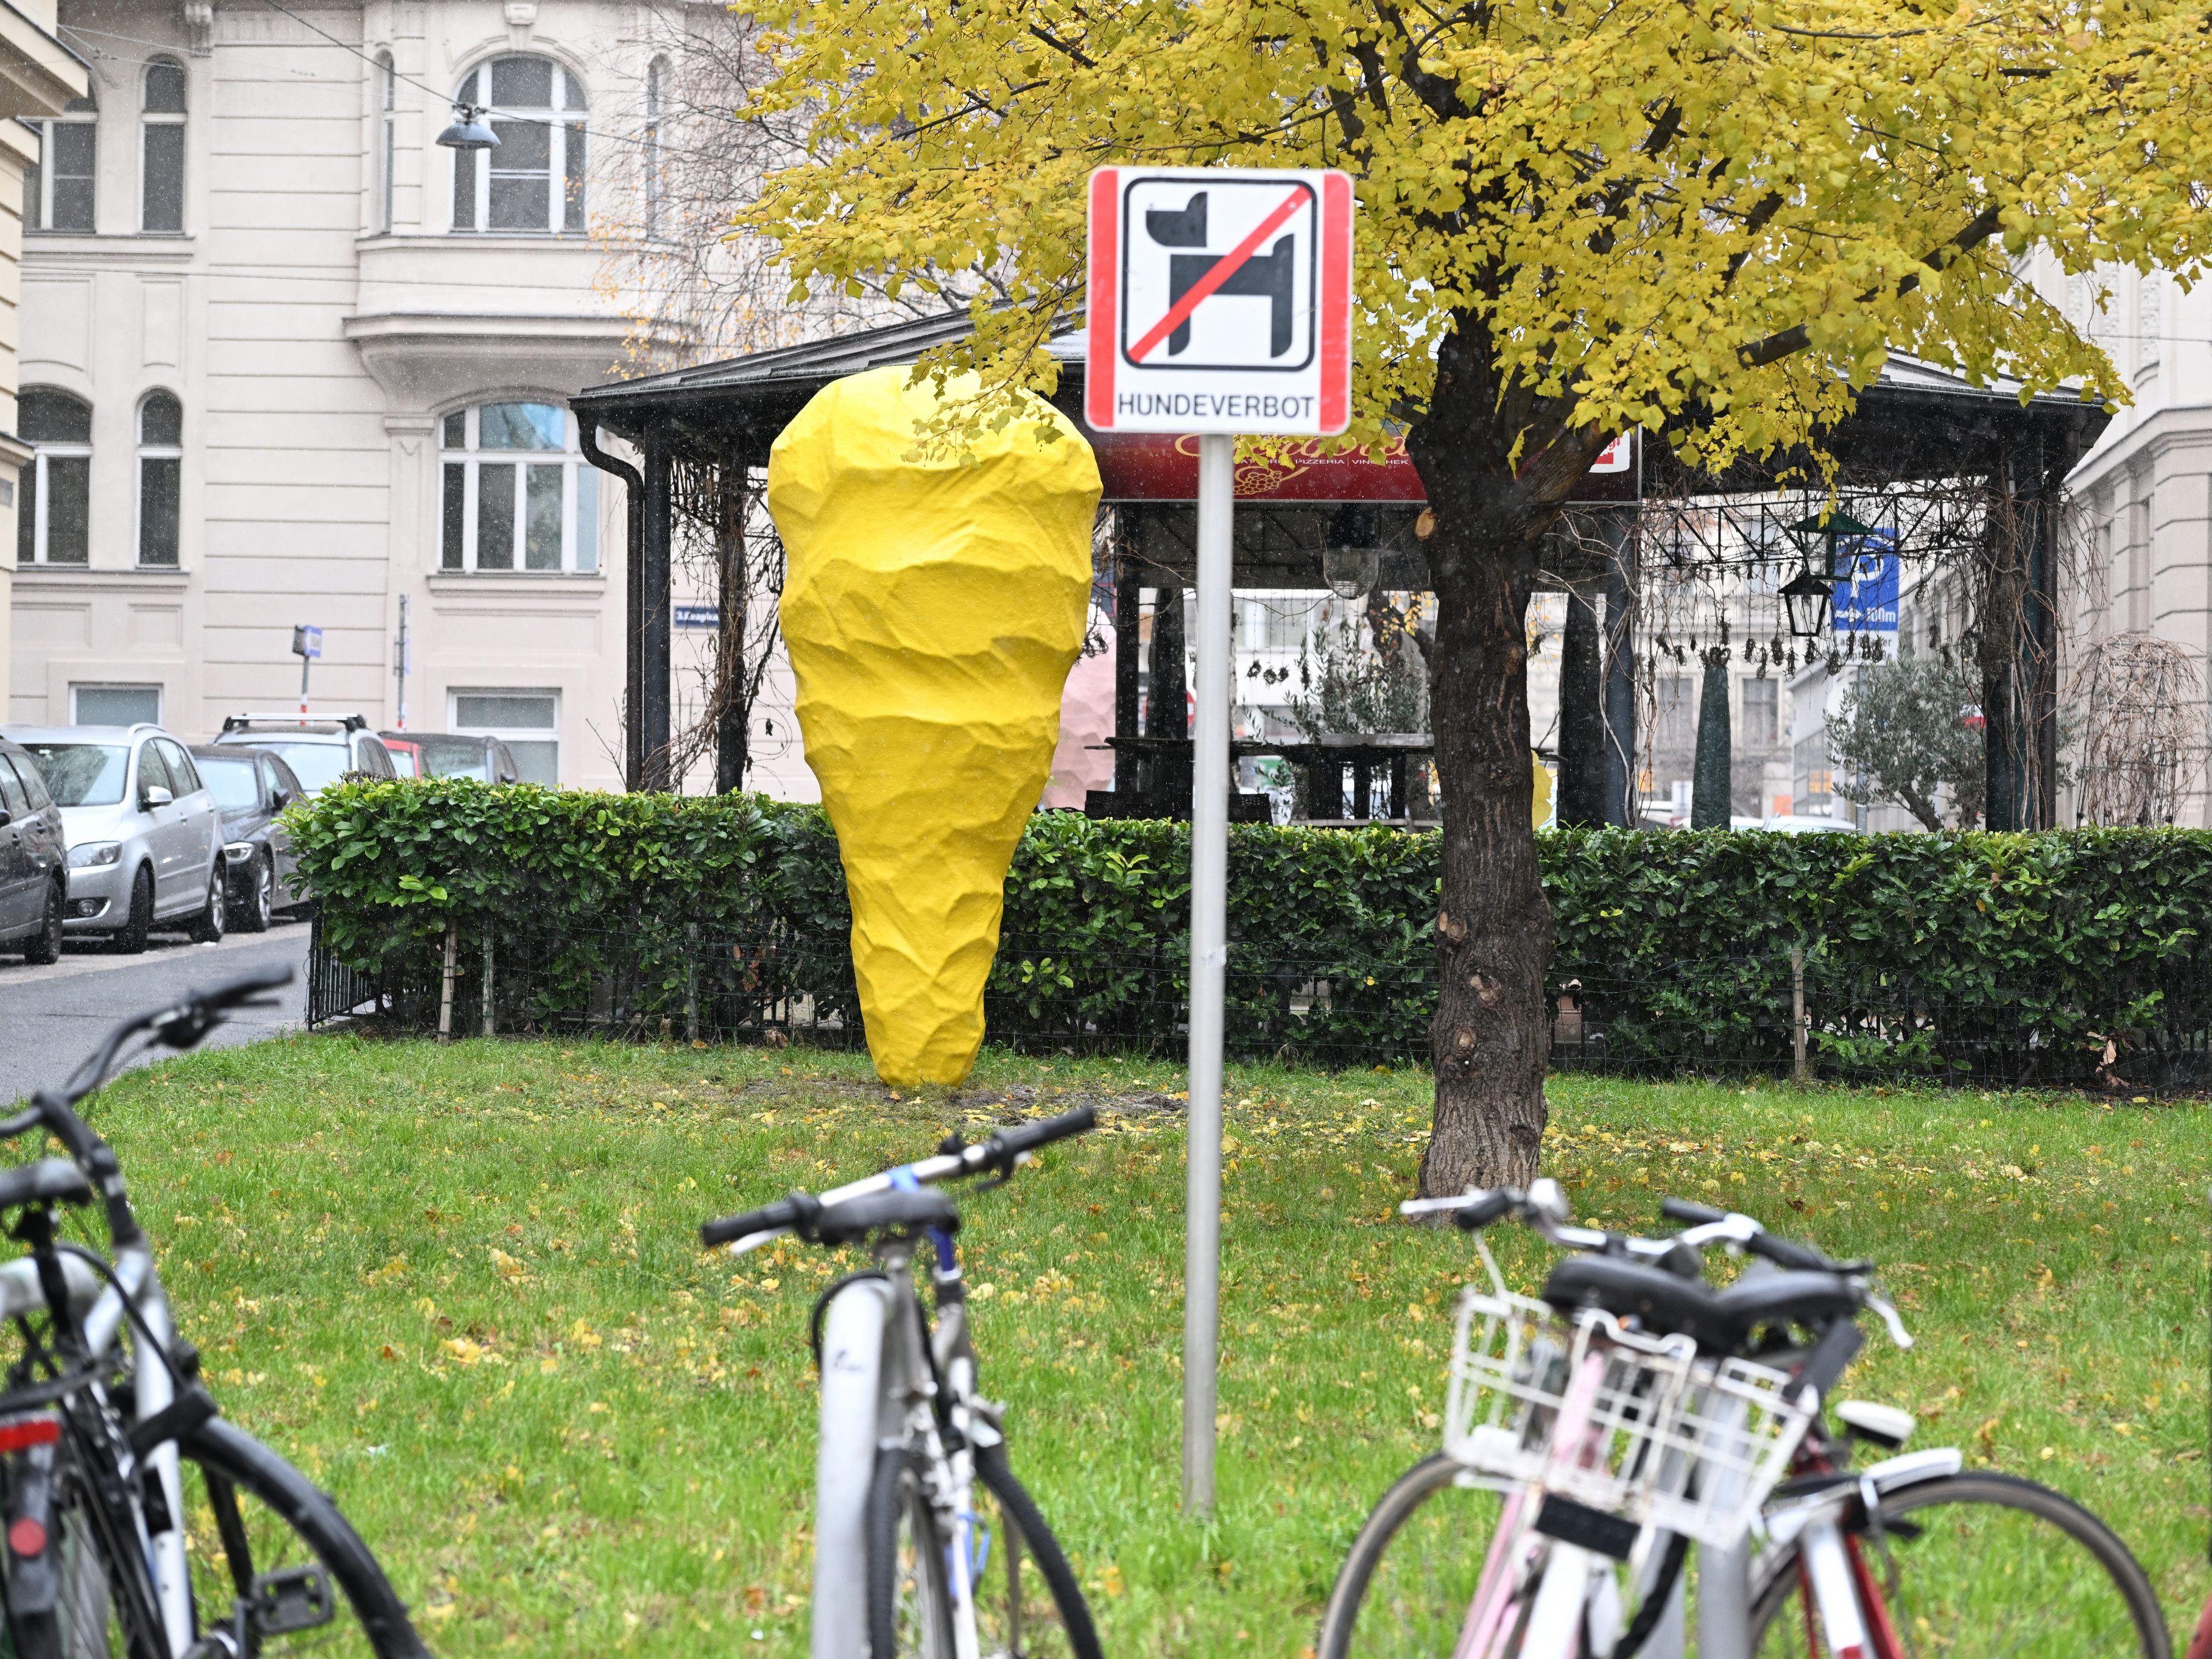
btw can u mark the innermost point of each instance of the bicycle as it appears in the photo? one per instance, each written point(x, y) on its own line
point(1593, 1433)
point(139, 1523)
point(925, 1544)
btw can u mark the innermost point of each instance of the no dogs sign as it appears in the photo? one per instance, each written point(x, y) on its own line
point(1220, 301)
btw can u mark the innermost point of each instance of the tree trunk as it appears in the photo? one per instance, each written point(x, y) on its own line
point(1582, 717)
point(1712, 786)
point(733, 597)
point(1491, 1035)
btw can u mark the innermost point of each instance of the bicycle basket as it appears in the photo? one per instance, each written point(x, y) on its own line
point(1520, 1370)
point(1728, 1440)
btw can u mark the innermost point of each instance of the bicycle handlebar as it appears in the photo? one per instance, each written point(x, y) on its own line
point(1782, 1252)
point(1004, 1151)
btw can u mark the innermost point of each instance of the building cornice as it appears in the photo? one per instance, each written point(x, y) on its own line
point(92, 579)
point(38, 74)
point(2167, 429)
point(46, 251)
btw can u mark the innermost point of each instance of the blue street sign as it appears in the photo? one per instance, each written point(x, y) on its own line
point(698, 615)
point(307, 642)
point(1866, 584)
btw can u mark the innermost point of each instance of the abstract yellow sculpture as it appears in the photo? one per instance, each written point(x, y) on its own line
point(933, 608)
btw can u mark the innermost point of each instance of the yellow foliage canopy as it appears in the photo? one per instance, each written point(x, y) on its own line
point(1712, 213)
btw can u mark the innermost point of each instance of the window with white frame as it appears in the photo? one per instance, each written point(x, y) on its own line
point(534, 179)
point(115, 705)
point(160, 477)
point(527, 721)
point(387, 113)
point(162, 149)
point(514, 492)
point(58, 188)
point(53, 506)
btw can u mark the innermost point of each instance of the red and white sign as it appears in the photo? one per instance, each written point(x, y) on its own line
point(1220, 301)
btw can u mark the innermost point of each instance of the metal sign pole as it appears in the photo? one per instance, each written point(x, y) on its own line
point(1209, 957)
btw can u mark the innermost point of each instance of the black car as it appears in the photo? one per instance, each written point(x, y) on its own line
point(33, 860)
point(252, 786)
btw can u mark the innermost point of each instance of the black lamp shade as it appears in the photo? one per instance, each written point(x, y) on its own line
point(467, 132)
point(1807, 598)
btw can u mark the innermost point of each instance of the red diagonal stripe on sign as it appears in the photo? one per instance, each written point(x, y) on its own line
point(1179, 312)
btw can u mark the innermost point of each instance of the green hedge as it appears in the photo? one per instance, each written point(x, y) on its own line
point(2009, 955)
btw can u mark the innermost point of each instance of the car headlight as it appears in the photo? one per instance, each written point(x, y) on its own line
point(93, 853)
point(237, 851)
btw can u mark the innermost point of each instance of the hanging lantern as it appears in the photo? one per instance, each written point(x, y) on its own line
point(1352, 562)
point(1808, 597)
point(468, 131)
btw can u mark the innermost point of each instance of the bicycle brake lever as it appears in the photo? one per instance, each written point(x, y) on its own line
point(1898, 1333)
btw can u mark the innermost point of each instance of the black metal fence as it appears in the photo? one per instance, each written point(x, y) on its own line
point(1750, 1013)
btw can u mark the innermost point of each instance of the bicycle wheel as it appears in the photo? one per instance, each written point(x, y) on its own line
point(1406, 1587)
point(277, 1570)
point(1973, 1566)
point(909, 1603)
point(1028, 1605)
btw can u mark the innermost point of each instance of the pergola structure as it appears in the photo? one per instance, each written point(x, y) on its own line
point(1917, 426)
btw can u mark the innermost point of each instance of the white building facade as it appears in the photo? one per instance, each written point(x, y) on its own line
point(288, 361)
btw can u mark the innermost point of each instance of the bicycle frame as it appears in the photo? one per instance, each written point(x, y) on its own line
point(97, 1315)
point(887, 1380)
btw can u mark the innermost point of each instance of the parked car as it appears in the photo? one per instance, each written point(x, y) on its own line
point(252, 786)
point(1799, 824)
point(34, 859)
point(406, 754)
point(144, 835)
point(320, 749)
point(445, 755)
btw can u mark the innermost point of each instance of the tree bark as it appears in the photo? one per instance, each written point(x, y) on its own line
point(1490, 1037)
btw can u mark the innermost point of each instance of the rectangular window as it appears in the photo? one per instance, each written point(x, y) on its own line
point(455, 515)
point(68, 507)
point(72, 152)
point(26, 514)
point(115, 705)
point(158, 509)
point(522, 175)
point(541, 546)
point(1759, 704)
point(464, 189)
point(572, 218)
point(162, 207)
point(587, 518)
point(527, 722)
point(1678, 713)
point(496, 485)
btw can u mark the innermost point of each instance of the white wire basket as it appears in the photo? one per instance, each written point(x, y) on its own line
point(1656, 1436)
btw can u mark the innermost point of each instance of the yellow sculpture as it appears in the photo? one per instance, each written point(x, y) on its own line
point(933, 607)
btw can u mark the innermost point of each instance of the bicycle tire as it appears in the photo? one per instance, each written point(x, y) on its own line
point(909, 1601)
point(1419, 1600)
point(232, 1541)
point(1987, 1605)
point(1007, 1609)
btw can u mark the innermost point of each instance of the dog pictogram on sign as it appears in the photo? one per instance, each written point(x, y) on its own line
point(1220, 301)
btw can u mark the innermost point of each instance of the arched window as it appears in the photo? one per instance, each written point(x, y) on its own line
point(534, 179)
point(160, 477)
point(516, 494)
point(57, 187)
point(656, 100)
point(53, 508)
point(387, 113)
point(162, 153)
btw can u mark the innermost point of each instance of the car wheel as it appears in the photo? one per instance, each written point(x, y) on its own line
point(131, 938)
point(206, 927)
point(258, 901)
point(45, 946)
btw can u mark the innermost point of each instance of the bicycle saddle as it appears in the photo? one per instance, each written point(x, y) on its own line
point(1664, 1303)
point(856, 1217)
point(48, 1180)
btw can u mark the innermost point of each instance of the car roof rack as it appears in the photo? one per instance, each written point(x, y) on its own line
point(344, 722)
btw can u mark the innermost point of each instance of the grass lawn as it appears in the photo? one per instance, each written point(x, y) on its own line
point(460, 1287)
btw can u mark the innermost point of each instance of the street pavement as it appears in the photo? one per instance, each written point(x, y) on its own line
point(51, 1017)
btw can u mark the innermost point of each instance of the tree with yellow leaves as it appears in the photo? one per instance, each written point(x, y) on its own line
point(1711, 219)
